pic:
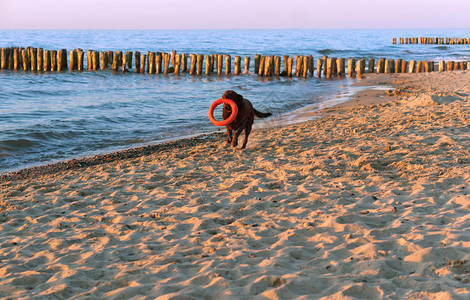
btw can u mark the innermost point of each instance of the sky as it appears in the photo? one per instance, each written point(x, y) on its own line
point(238, 14)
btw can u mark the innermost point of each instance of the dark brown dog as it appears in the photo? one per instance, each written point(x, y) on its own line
point(244, 119)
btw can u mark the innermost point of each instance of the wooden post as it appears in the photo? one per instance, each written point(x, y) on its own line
point(137, 62)
point(95, 60)
point(177, 62)
point(172, 57)
point(184, 62)
point(426, 66)
point(72, 60)
point(33, 54)
point(267, 66)
point(220, 63)
point(381, 65)
point(143, 59)
point(236, 64)
point(247, 64)
point(325, 62)
point(319, 67)
point(412, 66)
point(305, 66)
point(311, 66)
point(341, 66)
point(40, 59)
point(24, 55)
point(286, 61)
point(151, 59)
point(200, 63)
point(207, 59)
point(371, 66)
point(129, 59)
point(298, 65)
point(192, 68)
point(166, 62)
point(89, 59)
point(257, 63)
point(158, 63)
point(53, 54)
point(262, 61)
point(16, 59)
point(398, 66)
point(419, 66)
point(277, 65)
point(3, 58)
point(228, 64)
point(351, 67)
point(115, 64)
point(47, 61)
point(404, 66)
point(329, 67)
point(103, 61)
point(442, 66)
point(290, 62)
point(359, 68)
point(62, 60)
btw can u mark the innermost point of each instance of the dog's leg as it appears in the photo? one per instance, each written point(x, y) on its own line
point(235, 136)
point(229, 135)
point(247, 133)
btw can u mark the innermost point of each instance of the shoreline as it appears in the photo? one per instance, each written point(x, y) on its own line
point(371, 201)
point(307, 114)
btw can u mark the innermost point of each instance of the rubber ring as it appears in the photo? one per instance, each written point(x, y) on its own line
point(229, 119)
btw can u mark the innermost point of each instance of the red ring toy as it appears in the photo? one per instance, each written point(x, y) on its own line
point(229, 119)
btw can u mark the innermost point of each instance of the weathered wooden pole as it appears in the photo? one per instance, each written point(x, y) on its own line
point(208, 62)
point(192, 68)
point(247, 64)
point(442, 66)
point(137, 62)
point(257, 63)
point(129, 59)
point(177, 65)
point(412, 66)
point(184, 62)
point(341, 66)
point(151, 59)
point(103, 60)
point(34, 58)
point(351, 67)
point(371, 65)
point(115, 64)
point(277, 65)
point(228, 64)
point(319, 67)
point(404, 66)
point(325, 62)
point(398, 66)
point(286, 60)
point(72, 60)
point(381, 65)
point(262, 62)
point(298, 60)
point(89, 59)
point(24, 55)
point(95, 60)
point(15, 59)
point(166, 62)
point(53, 54)
point(47, 61)
point(390, 66)
point(311, 66)
point(62, 60)
point(158, 63)
point(419, 66)
point(290, 63)
point(236, 65)
point(305, 67)
point(329, 67)
point(143, 60)
point(40, 59)
point(200, 63)
point(3, 58)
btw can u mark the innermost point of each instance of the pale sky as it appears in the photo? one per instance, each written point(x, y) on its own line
point(239, 14)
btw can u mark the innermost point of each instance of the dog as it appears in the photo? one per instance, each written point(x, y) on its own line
point(243, 121)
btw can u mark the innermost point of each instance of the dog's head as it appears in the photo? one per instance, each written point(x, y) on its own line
point(232, 95)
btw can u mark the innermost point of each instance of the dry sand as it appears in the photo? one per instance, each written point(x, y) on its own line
point(369, 202)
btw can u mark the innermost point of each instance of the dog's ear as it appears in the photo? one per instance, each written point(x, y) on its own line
point(239, 97)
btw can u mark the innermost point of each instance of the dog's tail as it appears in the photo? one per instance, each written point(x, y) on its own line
point(261, 115)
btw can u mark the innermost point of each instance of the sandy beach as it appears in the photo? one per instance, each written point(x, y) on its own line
point(369, 201)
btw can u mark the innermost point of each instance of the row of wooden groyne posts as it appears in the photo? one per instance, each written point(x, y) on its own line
point(432, 41)
point(39, 60)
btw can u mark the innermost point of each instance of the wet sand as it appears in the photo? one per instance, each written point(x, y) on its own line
point(370, 201)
